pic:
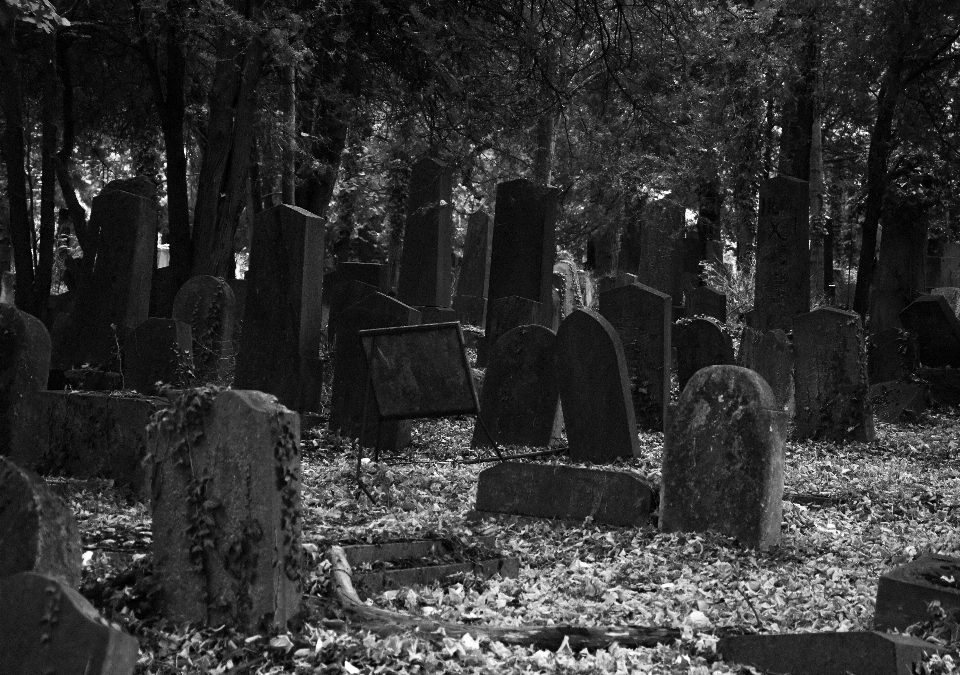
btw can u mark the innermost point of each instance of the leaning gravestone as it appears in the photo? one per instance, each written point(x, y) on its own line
point(904, 593)
point(24, 368)
point(770, 355)
point(38, 532)
point(46, 627)
point(158, 352)
point(830, 371)
point(280, 346)
point(700, 343)
point(225, 484)
point(594, 390)
point(723, 458)
point(705, 301)
point(505, 314)
point(937, 328)
point(952, 294)
point(473, 279)
point(208, 305)
point(520, 399)
point(641, 317)
point(783, 258)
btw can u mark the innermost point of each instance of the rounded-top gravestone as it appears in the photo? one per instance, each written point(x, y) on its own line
point(208, 305)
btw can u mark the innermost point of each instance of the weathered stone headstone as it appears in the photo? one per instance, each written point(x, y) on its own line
point(158, 352)
point(705, 301)
point(566, 493)
point(661, 247)
point(566, 282)
point(905, 592)
point(208, 305)
point(770, 355)
point(891, 401)
point(280, 346)
point(426, 274)
point(723, 458)
point(38, 532)
point(474, 276)
point(519, 401)
point(594, 390)
point(345, 295)
point(952, 294)
point(641, 317)
point(891, 355)
point(700, 342)
point(937, 328)
point(48, 627)
point(505, 314)
point(830, 372)
point(783, 253)
point(350, 378)
point(24, 368)
point(226, 524)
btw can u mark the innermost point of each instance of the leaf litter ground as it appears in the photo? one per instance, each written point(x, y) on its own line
point(852, 512)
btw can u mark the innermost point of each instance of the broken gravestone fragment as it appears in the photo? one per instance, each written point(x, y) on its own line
point(48, 627)
point(905, 592)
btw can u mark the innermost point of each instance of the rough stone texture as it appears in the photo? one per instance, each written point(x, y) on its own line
point(641, 317)
point(350, 378)
point(158, 351)
point(566, 282)
point(24, 368)
point(280, 346)
point(859, 653)
point(723, 458)
point(345, 295)
point(48, 627)
point(505, 314)
point(594, 390)
point(38, 532)
point(831, 377)
point(661, 248)
point(891, 355)
point(893, 401)
point(905, 592)
point(608, 497)
point(238, 498)
point(209, 306)
point(700, 343)
point(783, 259)
point(770, 355)
point(426, 274)
point(704, 301)
point(474, 276)
point(86, 435)
point(952, 294)
point(937, 328)
point(520, 397)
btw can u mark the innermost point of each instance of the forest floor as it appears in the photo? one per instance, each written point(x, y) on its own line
point(889, 501)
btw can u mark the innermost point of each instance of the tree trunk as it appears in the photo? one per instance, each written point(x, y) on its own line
point(48, 175)
point(289, 139)
point(799, 112)
point(817, 288)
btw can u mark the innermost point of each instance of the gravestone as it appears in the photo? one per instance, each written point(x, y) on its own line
point(38, 532)
point(8, 287)
point(505, 314)
point(705, 301)
point(892, 401)
point(830, 371)
point(594, 390)
point(937, 328)
point(641, 317)
point(700, 343)
point(723, 458)
point(905, 592)
point(345, 295)
point(612, 498)
point(615, 280)
point(426, 275)
point(520, 399)
point(208, 305)
point(48, 627)
point(566, 282)
point(158, 352)
point(24, 368)
point(952, 294)
point(891, 355)
point(226, 523)
point(474, 276)
point(661, 248)
point(280, 346)
point(350, 378)
point(943, 266)
point(770, 355)
point(783, 253)
point(163, 292)
point(603, 250)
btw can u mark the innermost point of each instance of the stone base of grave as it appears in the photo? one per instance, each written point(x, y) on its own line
point(904, 593)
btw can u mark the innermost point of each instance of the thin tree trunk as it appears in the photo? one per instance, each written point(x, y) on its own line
point(289, 139)
point(48, 175)
point(816, 211)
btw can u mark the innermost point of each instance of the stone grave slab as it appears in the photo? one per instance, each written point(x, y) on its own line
point(426, 274)
point(158, 352)
point(474, 276)
point(705, 301)
point(520, 397)
point(937, 328)
point(770, 355)
point(345, 295)
point(952, 295)
point(700, 342)
point(661, 248)
point(505, 314)
point(904, 592)
point(854, 653)
point(226, 524)
point(38, 532)
point(565, 493)
point(48, 627)
point(24, 368)
point(891, 355)
point(892, 400)
point(594, 390)
point(723, 458)
point(208, 305)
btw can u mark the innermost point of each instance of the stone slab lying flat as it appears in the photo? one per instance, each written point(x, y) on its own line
point(372, 583)
point(858, 653)
point(565, 493)
point(904, 592)
point(404, 550)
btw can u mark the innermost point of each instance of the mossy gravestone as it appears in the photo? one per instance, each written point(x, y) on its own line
point(24, 369)
point(225, 483)
point(594, 390)
point(723, 458)
point(208, 305)
point(700, 342)
point(158, 352)
point(830, 371)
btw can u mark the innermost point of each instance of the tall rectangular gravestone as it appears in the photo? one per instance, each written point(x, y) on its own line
point(506, 314)
point(25, 359)
point(661, 248)
point(770, 355)
point(280, 346)
point(783, 253)
point(474, 277)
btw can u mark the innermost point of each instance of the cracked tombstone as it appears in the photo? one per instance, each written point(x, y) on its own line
point(700, 342)
point(830, 374)
point(24, 369)
point(723, 458)
point(208, 305)
point(594, 390)
point(158, 352)
point(225, 484)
